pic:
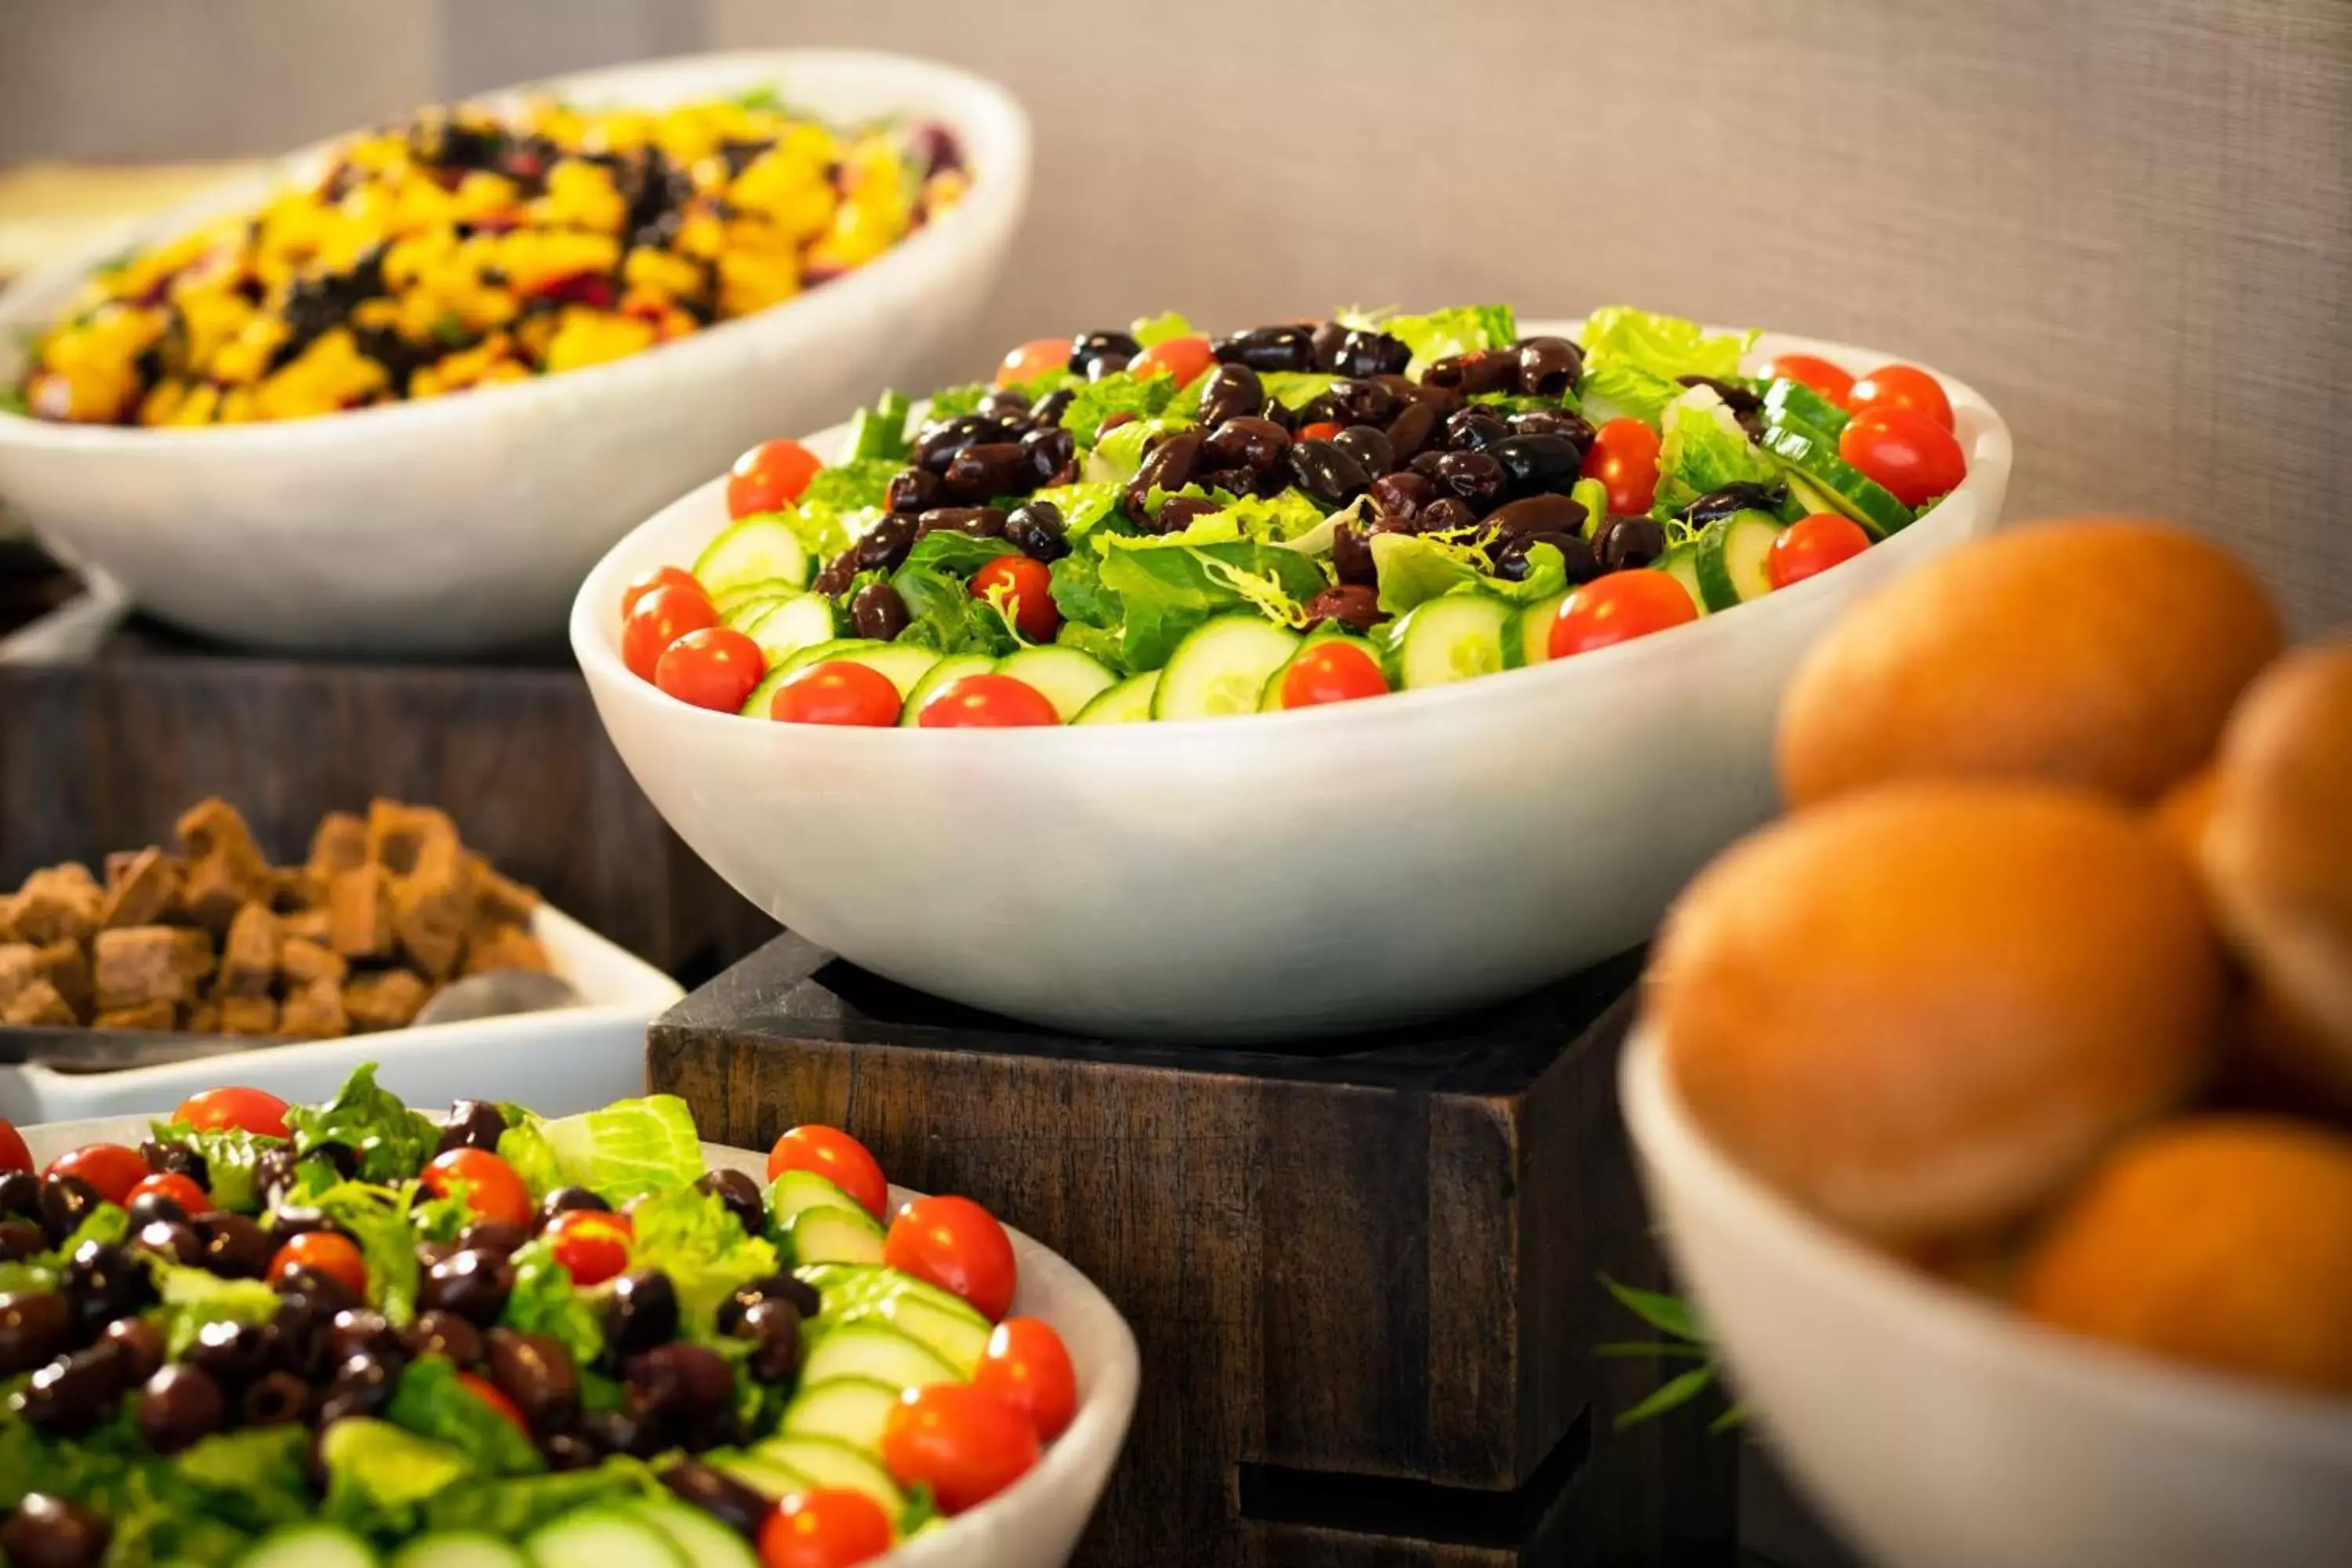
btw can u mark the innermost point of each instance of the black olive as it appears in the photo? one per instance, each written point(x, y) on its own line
point(103, 1282)
point(446, 1334)
point(563, 1200)
point(1445, 515)
point(66, 1201)
point(20, 1193)
point(884, 545)
point(1177, 512)
point(74, 1393)
point(357, 1328)
point(274, 1398)
point(1399, 498)
point(1169, 467)
point(35, 1326)
point(1325, 339)
point(360, 1386)
point(1246, 441)
point(911, 490)
point(773, 1327)
point(537, 1374)
point(1536, 514)
point(179, 1404)
point(569, 1451)
point(878, 612)
point(1038, 528)
point(273, 1173)
point(741, 1195)
point(799, 1294)
point(640, 1312)
point(1267, 348)
point(1554, 422)
point(472, 1124)
point(1745, 495)
point(316, 1285)
point(303, 1335)
point(1099, 354)
point(678, 1382)
point(147, 1209)
point(1547, 366)
point(1623, 544)
point(284, 1225)
point(1511, 556)
point(618, 1432)
point(141, 1344)
point(1473, 375)
point(1411, 431)
point(1736, 397)
point(474, 1285)
point(1051, 454)
point(1474, 429)
point(1007, 404)
point(1362, 401)
point(177, 1160)
point(1473, 477)
point(20, 1239)
point(342, 1157)
point(50, 1533)
point(837, 574)
point(1535, 464)
point(498, 1236)
point(1050, 408)
point(936, 444)
point(722, 1496)
point(233, 1354)
point(235, 1246)
point(1356, 605)
point(1369, 446)
point(1231, 391)
point(984, 472)
point(1351, 548)
point(1367, 351)
point(174, 1239)
point(978, 522)
point(1326, 473)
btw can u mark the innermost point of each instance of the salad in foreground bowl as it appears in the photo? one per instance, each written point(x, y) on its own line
point(349, 1333)
point(1151, 524)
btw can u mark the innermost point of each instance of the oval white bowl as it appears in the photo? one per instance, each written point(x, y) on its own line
point(465, 524)
point(1271, 877)
point(1941, 1431)
point(1035, 1523)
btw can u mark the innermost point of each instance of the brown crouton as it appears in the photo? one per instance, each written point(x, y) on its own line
point(433, 907)
point(149, 964)
point(19, 967)
point(225, 870)
point(203, 1018)
point(498, 898)
point(157, 1014)
point(398, 836)
point(338, 845)
point(387, 1000)
point(60, 903)
point(37, 1005)
point(66, 966)
point(248, 1016)
point(315, 1013)
point(9, 917)
point(212, 827)
point(248, 962)
point(140, 888)
point(306, 963)
point(505, 947)
point(359, 913)
point(308, 925)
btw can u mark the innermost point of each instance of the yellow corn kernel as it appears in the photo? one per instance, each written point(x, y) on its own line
point(213, 318)
point(200, 407)
point(162, 402)
point(701, 236)
point(88, 395)
point(859, 234)
point(660, 270)
point(793, 194)
point(587, 337)
point(331, 373)
point(482, 194)
point(535, 259)
point(240, 361)
point(405, 261)
point(533, 334)
point(580, 195)
point(617, 131)
point(943, 190)
point(235, 406)
point(503, 370)
point(750, 281)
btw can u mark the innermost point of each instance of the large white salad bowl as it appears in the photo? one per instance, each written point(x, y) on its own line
point(465, 524)
point(1270, 876)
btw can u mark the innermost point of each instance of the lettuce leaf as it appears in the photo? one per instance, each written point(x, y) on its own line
point(957, 554)
point(374, 1465)
point(943, 614)
point(1082, 506)
point(1441, 334)
point(544, 1301)
point(696, 1240)
point(1704, 449)
point(1101, 645)
point(628, 1148)
point(1121, 392)
point(1295, 389)
point(231, 1156)
point(823, 531)
point(955, 402)
point(879, 433)
point(379, 1220)
point(1078, 591)
point(432, 1403)
point(511, 1510)
point(392, 1143)
point(523, 1147)
point(1166, 587)
point(1152, 330)
point(193, 1297)
point(1413, 569)
point(1118, 455)
point(1280, 518)
point(856, 485)
point(1632, 358)
point(257, 1464)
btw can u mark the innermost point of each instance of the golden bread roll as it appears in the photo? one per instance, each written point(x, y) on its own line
point(2225, 1241)
point(2186, 808)
point(2100, 652)
point(1920, 1010)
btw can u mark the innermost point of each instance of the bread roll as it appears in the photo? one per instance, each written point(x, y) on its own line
point(2099, 652)
point(1919, 1011)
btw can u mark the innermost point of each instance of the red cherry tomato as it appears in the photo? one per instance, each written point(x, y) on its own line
point(1030, 587)
point(182, 1190)
point(253, 1111)
point(714, 668)
point(322, 1252)
point(1027, 1366)
point(1182, 358)
point(1813, 544)
point(1034, 359)
point(492, 1188)
point(987, 702)
point(13, 1154)
point(1905, 450)
point(112, 1169)
point(830, 1152)
point(1617, 608)
point(769, 477)
point(1818, 374)
point(489, 1393)
point(966, 1444)
point(958, 1247)
point(1625, 458)
point(836, 692)
point(661, 618)
point(1332, 672)
point(592, 1245)
point(644, 583)
point(826, 1527)
point(1321, 430)
point(1901, 386)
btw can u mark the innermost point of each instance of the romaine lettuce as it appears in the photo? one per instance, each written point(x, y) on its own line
point(1295, 389)
point(955, 402)
point(1121, 392)
point(1704, 449)
point(1277, 519)
point(1632, 358)
point(958, 555)
point(231, 1156)
point(1118, 455)
point(1166, 587)
point(1441, 334)
point(193, 1297)
point(1152, 330)
point(941, 615)
point(1082, 506)
point(392, 1143)
point(628, 1148)
point(1414, 568)
point(1101, 645)
point(856, 485)
point(374, 1465)
point(696, 1239)
point(430, 1402)
point(544, 1301)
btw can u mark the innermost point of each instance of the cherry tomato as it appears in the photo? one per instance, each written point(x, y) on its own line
point(1321, 430)
point(769, 477)
point(112, 1169)
point(714, 667)
point(986, 702)
point(1625, 458)
point(592, 1245)
point(966, 1444)
point(836, 692)
point(1027, 1366)
point(253, 1111)
point(958, 1247)
point(322, 1252)
point(1813, 544)
point(1901, 386)
point(1182, 358)
point(1905, 450)
point(13, 1154)
point(661, 618)
point(1030, 587)
point(1032, 359)
point(182, 1190)
point(492, 1188)
point(826, 1527)
point(1617, 608)
point(1332, 672)
point(830, 1152)
point(489, 1393)
point(644, 583)
point(1818, 374)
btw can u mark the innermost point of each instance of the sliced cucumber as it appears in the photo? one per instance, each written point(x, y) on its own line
point(875, 1351)
point(852, 1410)
point(953, 667)
point(904, 663)
point(765, 1476)
point(794, 626)
point(1128, 702)
point(769, 588)
point(1593, 497)
point(705, 1543)
point(1220, 668)
point(749, 611)
point(602, 1538)
point(831, 1464)
point(1681, 564)
point(1069, 678)
point(308, 1546)
point(797, 1189)
point(458, 1548)
point(835, 1235)
point(960, 1338)
point(1788, 401)
point(1731, 559)
point(831, 648)
point(1814, 455)
point(757, 550)
point(1270, 699)
point(1528, 640)
point(1455, 637)
point(844, 1286)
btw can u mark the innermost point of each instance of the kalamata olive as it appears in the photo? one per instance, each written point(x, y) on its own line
point(1038, 528)
point(1049, 409)
point(49, 1532)
point(274, 1398)
point(1535, 464)
point(741, 1195)
point(618, 1432)
point(798, 1294)
point(837, 574)
point(20, 1193)
point(1282, 414)
point(103, 1282)
point(722, 1496)
point(474, 1285)
point(679, 1380)
point(1246, 441)
point(878, 612)
point(303, 1335)
point(536, 1371)
point(640, 1312)
point(1473, 375)
point(472, 1124)
point(174, 1239)
point(177, 1160)
point(1326, 473)
point(284, 1225)
point(1625, 544)
point(980, 473)
point(1231, 391)
point(141, 1344)
point(181, 1404)
point(1356, 605)
point(978, 522)
point(317, 1285)
point(719, 1427)
point(66, 1201)
point(563, 1200)
point(149, 1207)
point(498, 1236)
point(1399, 498)
point(773, 1326)
point(1365, 351)
point(884, 545)
point(568, 1451)
point(1411, 431)
point(1048, 455)
point(911, 490)
point(1168, 464)
point(342, 1156)
point(1547, 366)
point(1744, 495)
point(357, 1328)
point(1511, 563)
point(1007, 404)
point(273, 1172)
point(361, 1385)
point(74, 1393)
point(1474, 429)
point(1736, 397)
point(1238, 482)
point(1445, 515)
point(1473, 477)
point(937, 442)
point(21, 1238)
point(1444, 401)
point(1178, 512)
point(1536, 514)
point(235, 1246)
point(35, 1327)
point(1351, 547)
point(446, 1334)
point(1325, 339)
point(233, 1353)
point(1361, 401)
point(1369, 446)
point(1267, 348)
point(1098, 355)
point(1554, 422)
point(1322, 409)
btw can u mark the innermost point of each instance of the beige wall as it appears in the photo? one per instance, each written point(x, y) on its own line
point(2129, 222)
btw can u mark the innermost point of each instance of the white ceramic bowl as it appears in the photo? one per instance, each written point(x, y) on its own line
point(464, 523)
point(1943, 1432)
point(1276, 876)
point(1035, 1523)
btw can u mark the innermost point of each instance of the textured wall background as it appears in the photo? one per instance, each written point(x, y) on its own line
point(2128, 222)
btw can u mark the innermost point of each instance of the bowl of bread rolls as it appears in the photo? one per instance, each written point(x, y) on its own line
point(1997, 1100)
